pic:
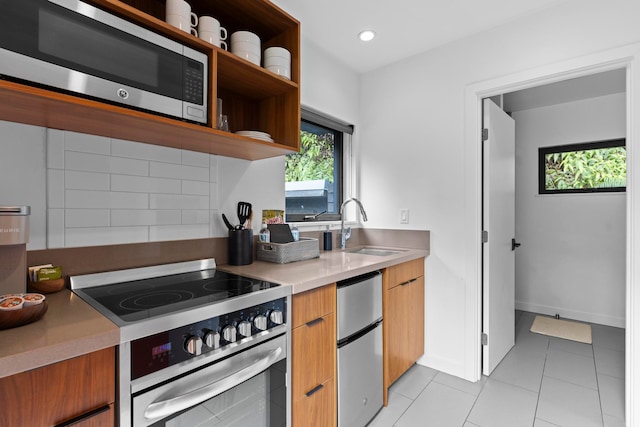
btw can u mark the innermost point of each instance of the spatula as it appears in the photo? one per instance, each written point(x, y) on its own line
point(244, 211)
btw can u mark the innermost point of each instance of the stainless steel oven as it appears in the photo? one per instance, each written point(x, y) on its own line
point(198, 346)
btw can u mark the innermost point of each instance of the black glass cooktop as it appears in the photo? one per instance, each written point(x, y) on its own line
point(142, 299)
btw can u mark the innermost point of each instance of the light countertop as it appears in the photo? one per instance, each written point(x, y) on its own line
point(69, 328)
point(330, 267)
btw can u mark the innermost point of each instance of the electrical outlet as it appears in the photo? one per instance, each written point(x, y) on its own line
point(404, 216)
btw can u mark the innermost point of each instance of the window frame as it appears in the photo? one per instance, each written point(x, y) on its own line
point(342, 158)
point(594, 145)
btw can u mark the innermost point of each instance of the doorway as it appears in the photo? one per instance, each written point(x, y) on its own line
point(572, 263)
point(623, 57)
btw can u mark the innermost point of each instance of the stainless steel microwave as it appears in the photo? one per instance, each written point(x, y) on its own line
point(72, 46)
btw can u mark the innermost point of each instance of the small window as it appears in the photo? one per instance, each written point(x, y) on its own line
point(583, 168)
point(313, 177)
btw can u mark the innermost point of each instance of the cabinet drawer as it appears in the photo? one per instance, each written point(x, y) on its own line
point(318, 409)
point(59, 392)
point(312, 304)
point(402, 273)
point(314, 354)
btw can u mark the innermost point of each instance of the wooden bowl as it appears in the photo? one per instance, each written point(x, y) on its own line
point(13, 318)
point(46, 286)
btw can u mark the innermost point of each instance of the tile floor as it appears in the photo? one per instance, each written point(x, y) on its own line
point(542, 382)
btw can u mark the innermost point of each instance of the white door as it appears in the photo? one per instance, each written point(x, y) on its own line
point(498, 219)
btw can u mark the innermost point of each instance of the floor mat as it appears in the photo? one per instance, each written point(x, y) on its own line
point(566, 329)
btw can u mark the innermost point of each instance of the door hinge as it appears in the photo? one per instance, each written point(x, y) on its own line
point(485, 134)
point(484, 339)
point(485, 236)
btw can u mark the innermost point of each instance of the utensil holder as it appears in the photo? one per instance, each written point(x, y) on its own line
point(240, 247)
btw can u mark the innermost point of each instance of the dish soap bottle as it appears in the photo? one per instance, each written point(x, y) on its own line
point(265, 235)
point(295, 233)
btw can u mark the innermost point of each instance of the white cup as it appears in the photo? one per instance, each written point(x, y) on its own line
point(242, 46)
point(277, 52)
point(211, 31)
point(180, 8)
point(282, 71)
point(245, 36)
point(182, 23)
point(251, 57)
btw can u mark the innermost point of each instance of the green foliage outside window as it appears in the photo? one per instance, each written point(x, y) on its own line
point(586, 169)
point(315, 159)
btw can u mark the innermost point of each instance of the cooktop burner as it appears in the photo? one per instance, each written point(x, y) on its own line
point(141, 299)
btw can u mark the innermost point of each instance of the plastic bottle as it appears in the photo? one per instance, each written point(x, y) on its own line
point(296, 233)
point(265, 235)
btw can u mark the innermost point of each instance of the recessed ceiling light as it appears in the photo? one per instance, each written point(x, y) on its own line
point(366, 35)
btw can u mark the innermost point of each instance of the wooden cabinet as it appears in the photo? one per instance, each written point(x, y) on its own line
point(252, 97)
point(313, 389)
point(403, 314)
point(78, 392)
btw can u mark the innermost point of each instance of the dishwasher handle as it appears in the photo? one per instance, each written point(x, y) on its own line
point(353, 280)
point(362, 332)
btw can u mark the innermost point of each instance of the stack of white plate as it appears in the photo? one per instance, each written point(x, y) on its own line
point(246, 45)
point(263, 136)
point(278, 61)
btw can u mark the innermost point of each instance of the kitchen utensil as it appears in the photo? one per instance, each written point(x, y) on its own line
point(244, 210)
point(227, 223)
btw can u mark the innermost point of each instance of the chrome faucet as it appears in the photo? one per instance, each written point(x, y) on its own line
point(344, 235)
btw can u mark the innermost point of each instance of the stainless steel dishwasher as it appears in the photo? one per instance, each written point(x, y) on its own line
point(359, 301)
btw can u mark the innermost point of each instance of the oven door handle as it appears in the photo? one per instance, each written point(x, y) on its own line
point(172, 405)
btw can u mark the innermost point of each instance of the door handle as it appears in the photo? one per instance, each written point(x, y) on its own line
point(514, 244)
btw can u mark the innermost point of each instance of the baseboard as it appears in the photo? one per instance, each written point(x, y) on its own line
point(600, 319)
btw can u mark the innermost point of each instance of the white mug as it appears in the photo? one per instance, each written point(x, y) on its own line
point(210, 31)
point(182, 23)
point(180, 8)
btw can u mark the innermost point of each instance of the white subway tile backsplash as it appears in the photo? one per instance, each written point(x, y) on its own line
point(74, 141)
point(84, 199)
point(194, 158)
point(78, 218)
point(213, 168)
point(178, 232)
point(76, 180)
point(198, 188)
point(140, 184)
point(195, 217)
point(55, 228)
point(55, 189)
point(55, 149)
point(75, 237)
point(136, 150)
point(105, 164)
point(109, 191)
point(169, 201)
point(166, 170)
point(128, 217)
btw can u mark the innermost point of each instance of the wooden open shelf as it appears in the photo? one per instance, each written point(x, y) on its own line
point(253, 97)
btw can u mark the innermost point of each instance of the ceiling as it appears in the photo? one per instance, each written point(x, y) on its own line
point(403, 27)
point(591, 86)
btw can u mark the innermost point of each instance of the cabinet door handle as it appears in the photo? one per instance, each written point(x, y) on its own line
point(314, 390)
point(84, 417)
point(408, 282)
point(315, 321)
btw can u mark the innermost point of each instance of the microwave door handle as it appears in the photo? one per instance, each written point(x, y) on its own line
point(172, 405)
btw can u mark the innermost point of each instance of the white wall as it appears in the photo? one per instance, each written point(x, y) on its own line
point(572, 259)
point(412, 117)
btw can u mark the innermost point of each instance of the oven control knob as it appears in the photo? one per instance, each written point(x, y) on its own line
point(260, 322)
point(276, 317)
point(212, 339)
point(229, 333)
point(193, 345)
point(244, 328)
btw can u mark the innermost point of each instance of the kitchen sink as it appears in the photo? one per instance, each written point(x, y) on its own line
point(374, 251)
